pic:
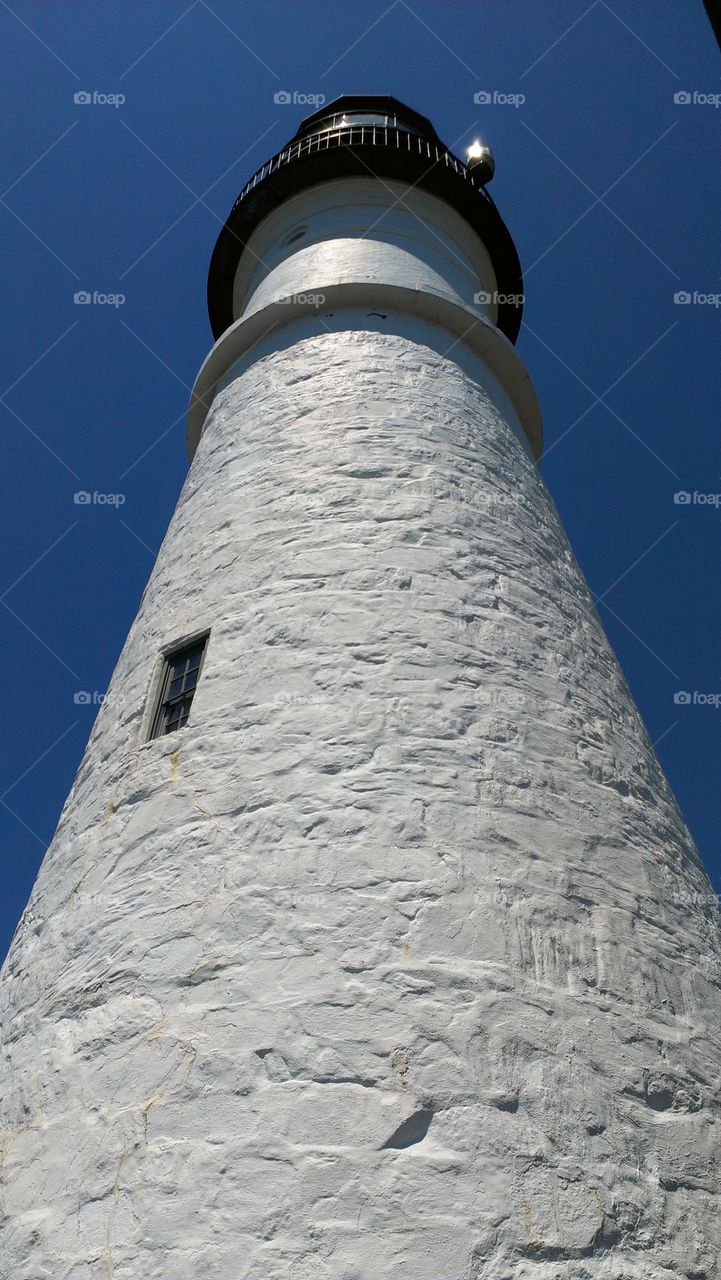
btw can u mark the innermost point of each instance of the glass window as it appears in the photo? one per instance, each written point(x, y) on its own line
point(180, 675)
point(355, 118)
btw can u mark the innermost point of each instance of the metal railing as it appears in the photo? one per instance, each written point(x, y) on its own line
point(362, 136)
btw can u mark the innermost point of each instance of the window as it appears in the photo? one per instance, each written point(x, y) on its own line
point(179, 678)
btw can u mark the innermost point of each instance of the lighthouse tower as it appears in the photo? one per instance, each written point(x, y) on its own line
point(371, 943)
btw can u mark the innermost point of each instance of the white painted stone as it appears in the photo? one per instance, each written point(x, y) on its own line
point(478, 347)
point(398, 961)
point(388, 233)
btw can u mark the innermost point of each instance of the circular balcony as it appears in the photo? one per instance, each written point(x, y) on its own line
point(366, 136)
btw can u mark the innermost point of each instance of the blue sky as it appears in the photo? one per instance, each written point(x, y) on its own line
point(609, 186)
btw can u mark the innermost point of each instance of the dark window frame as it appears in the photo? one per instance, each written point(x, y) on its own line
point(179, 679)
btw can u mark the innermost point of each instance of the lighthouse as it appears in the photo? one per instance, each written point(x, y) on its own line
point(371, 942)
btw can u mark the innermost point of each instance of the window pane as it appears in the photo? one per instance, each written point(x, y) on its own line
point(177, 688)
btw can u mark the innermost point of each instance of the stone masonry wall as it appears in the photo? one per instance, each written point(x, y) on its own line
point(398, 961)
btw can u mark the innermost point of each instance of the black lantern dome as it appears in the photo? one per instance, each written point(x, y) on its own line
point(357, 135)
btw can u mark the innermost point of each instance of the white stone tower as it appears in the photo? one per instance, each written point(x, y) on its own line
point(396, 961)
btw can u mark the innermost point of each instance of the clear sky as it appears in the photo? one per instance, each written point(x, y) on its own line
point(609, 186)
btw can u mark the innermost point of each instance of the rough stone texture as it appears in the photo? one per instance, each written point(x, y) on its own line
point(399, 960)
